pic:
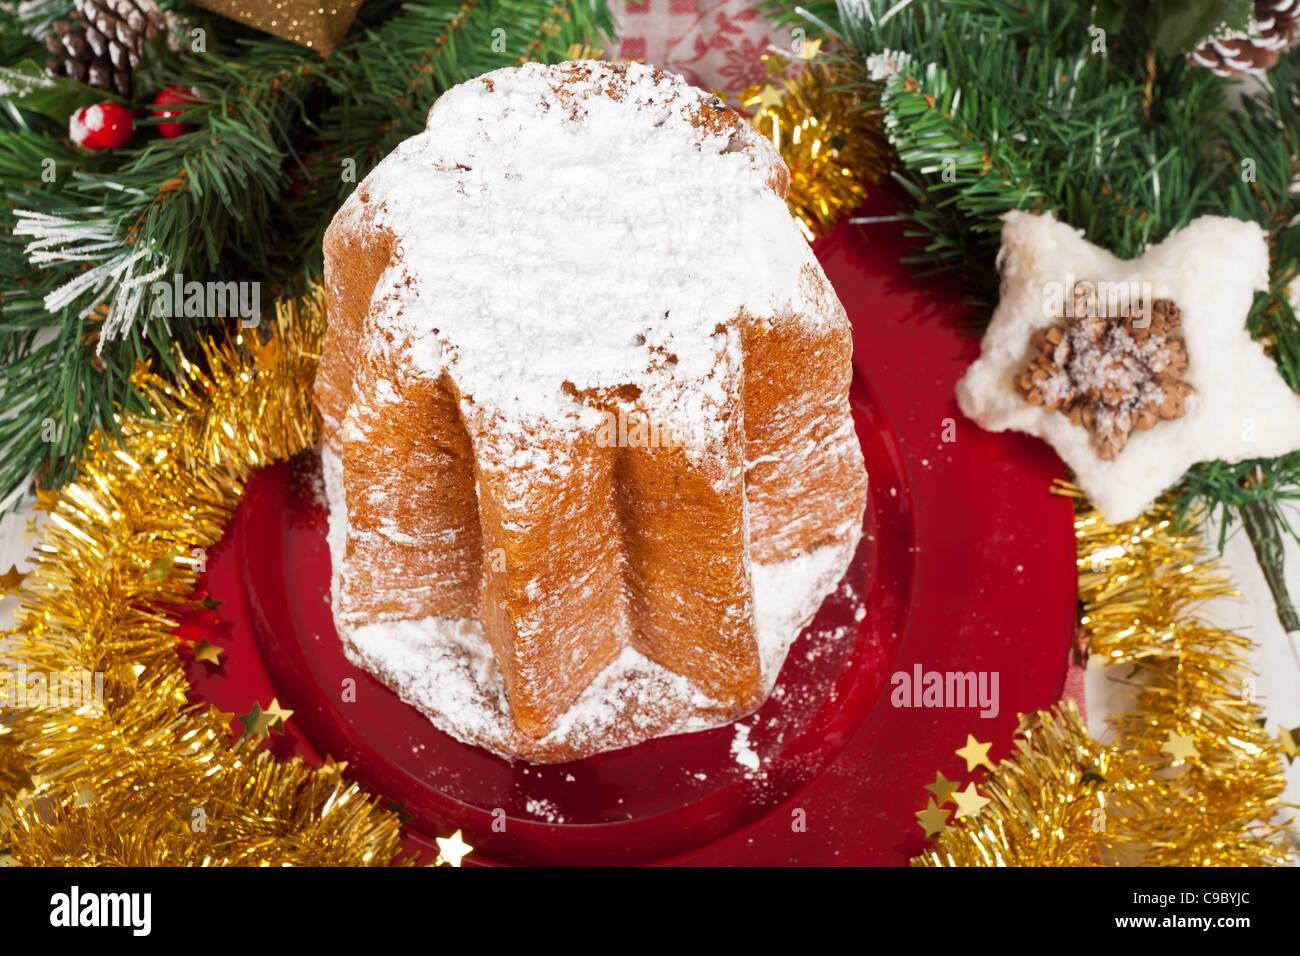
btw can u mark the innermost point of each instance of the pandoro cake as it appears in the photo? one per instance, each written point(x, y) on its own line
point(587, 442)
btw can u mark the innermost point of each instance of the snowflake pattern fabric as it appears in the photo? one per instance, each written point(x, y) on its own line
point(716, 44)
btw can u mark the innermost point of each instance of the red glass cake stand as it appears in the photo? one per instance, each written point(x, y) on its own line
point(967, 565)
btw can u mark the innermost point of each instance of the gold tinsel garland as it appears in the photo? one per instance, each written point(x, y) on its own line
point(1044, 803)
point(1189, 778)
point(148, 778)
point(1197, 734)
point(833, 143)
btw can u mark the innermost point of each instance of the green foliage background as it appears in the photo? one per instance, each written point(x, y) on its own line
point(245, 196)
point(1091, 112)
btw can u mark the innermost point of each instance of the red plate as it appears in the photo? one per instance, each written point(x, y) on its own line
point(968, 564)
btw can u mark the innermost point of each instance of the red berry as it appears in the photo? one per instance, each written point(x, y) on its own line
point(102, 126)
point(165, 105)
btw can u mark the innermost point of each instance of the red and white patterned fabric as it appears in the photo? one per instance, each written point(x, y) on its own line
point(716, 44)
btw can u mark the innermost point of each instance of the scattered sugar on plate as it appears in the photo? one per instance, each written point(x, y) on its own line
point(740, 749)
point(544, 809)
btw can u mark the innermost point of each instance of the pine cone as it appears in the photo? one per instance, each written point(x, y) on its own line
point(104, 45)
point(1275, 27)
point(1109, 374)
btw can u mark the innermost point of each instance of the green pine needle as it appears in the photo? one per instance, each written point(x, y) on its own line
point(1027, 106)
point(245, 196)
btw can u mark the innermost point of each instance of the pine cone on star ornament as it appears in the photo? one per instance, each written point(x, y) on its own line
point(1274, 27)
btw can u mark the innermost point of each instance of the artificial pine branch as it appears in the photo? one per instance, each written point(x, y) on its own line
point(1263, 145)
point(819, 17)
point(1001, 106)
point(245, 196)
point(195, 205)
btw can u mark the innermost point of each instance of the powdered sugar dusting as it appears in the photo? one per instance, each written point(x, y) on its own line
point(534, 192)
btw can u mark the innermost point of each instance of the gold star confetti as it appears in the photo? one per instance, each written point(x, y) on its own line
point(769, 97)
point(975, 754)
point(942, 788)
point(451, 850)
point(46, 499)
point(332, 769)
point(11, 580)
point(1025, 723)
point(277, 714)
point(1289, 738)
point(30, 531)
point(810, 49)
point(255, 721)
point(933, 819)
point(204, 651)
point(160, 567)
point(221, 715)
point(968, 802)
point(1181, 747)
